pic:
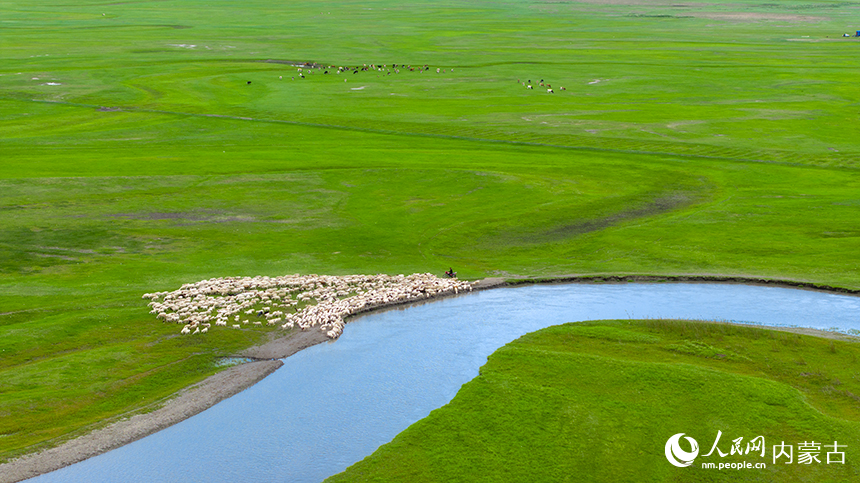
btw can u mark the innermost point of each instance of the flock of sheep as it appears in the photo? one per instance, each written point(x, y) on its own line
point(302, 301)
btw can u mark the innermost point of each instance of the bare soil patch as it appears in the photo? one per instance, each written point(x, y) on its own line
point(281, 347)
point(704, 10)
point(755, 16)
point(655, 207)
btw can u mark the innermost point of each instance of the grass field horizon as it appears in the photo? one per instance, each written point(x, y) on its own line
point(135, 156)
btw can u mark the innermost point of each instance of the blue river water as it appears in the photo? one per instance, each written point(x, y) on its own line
point(332, 404)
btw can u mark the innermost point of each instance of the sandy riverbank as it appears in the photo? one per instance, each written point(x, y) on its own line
point(183, 405)
point(234, 380)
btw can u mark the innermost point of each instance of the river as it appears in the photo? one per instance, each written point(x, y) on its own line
point(333, 404)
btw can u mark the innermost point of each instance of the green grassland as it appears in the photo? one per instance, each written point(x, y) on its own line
point(597, 401)
point(698, 139)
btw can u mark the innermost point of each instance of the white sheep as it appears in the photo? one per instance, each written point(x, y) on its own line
point(336, 298)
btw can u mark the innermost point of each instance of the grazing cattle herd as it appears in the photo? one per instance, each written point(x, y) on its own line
point(528, 85)
point(303, 301)
point(385, 69)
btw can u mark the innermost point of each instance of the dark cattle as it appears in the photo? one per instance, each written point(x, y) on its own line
point(249, 82)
